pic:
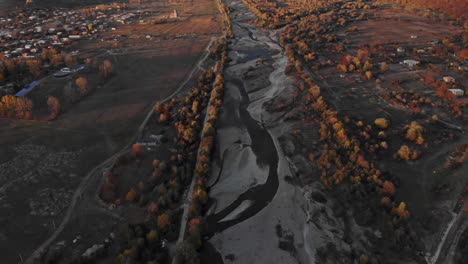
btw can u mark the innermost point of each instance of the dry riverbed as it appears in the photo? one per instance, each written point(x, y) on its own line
point(256, 213)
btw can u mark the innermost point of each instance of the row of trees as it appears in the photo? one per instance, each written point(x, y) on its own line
point(274, 14)
point(161, 192)
point(203, 164)
point(408, 99)
point(343, 156)
point(314, 33)
point(16, 107)
point(22, 107)
point(23, 70)
point(227, 21)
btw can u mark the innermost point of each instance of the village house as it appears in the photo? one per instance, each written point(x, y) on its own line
point(448, 79)
point(27, 35)
point(457, 92)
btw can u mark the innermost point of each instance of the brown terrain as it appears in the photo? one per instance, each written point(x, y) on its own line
point(248, 131)
point(49, 160)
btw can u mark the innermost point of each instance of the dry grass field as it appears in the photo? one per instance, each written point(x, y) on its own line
point(395, 26)
point(100, 124)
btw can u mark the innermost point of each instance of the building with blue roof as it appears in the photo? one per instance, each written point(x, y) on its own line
point(27, 89)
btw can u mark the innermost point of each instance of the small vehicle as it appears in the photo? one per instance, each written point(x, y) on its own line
point(61, 74)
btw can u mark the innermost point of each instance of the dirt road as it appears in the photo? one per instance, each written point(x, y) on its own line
point(92, 182)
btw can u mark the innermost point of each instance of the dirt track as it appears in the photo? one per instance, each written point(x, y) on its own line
point(89, 182)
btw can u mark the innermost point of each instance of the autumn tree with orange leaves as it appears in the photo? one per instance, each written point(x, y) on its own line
point(164, 222)
point(388, 189)
point(16, 107)
point(54, 107)
point(136, 150)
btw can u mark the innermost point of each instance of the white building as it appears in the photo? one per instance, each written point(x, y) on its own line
point(411, 63)
point(449, 79)
point(174, 14)
point(457, 92)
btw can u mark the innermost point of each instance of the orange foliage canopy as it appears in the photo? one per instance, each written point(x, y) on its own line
point(136, 150)
point(388, 189)
point(163, 221)
point(153, 208)
point(131, 195)
point(464, 53)
point(401, 211)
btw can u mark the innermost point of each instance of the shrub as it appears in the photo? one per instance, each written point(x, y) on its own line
point(401, 211)
point(152, 236)
point(163, 222)
point(414, 133)
point(386, 202)
point(54, 107)
point(131, 195)
point(201, 195)
point(341, 68)
point(368, 75)
point(82, 83)
point(388, 189)
point(382, 123)
point(136, 150)
point(406, 153)
point(383, 66)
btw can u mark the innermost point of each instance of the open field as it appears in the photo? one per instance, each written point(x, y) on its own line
point(455, 8)
point(390, 26)
point(48, 160)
